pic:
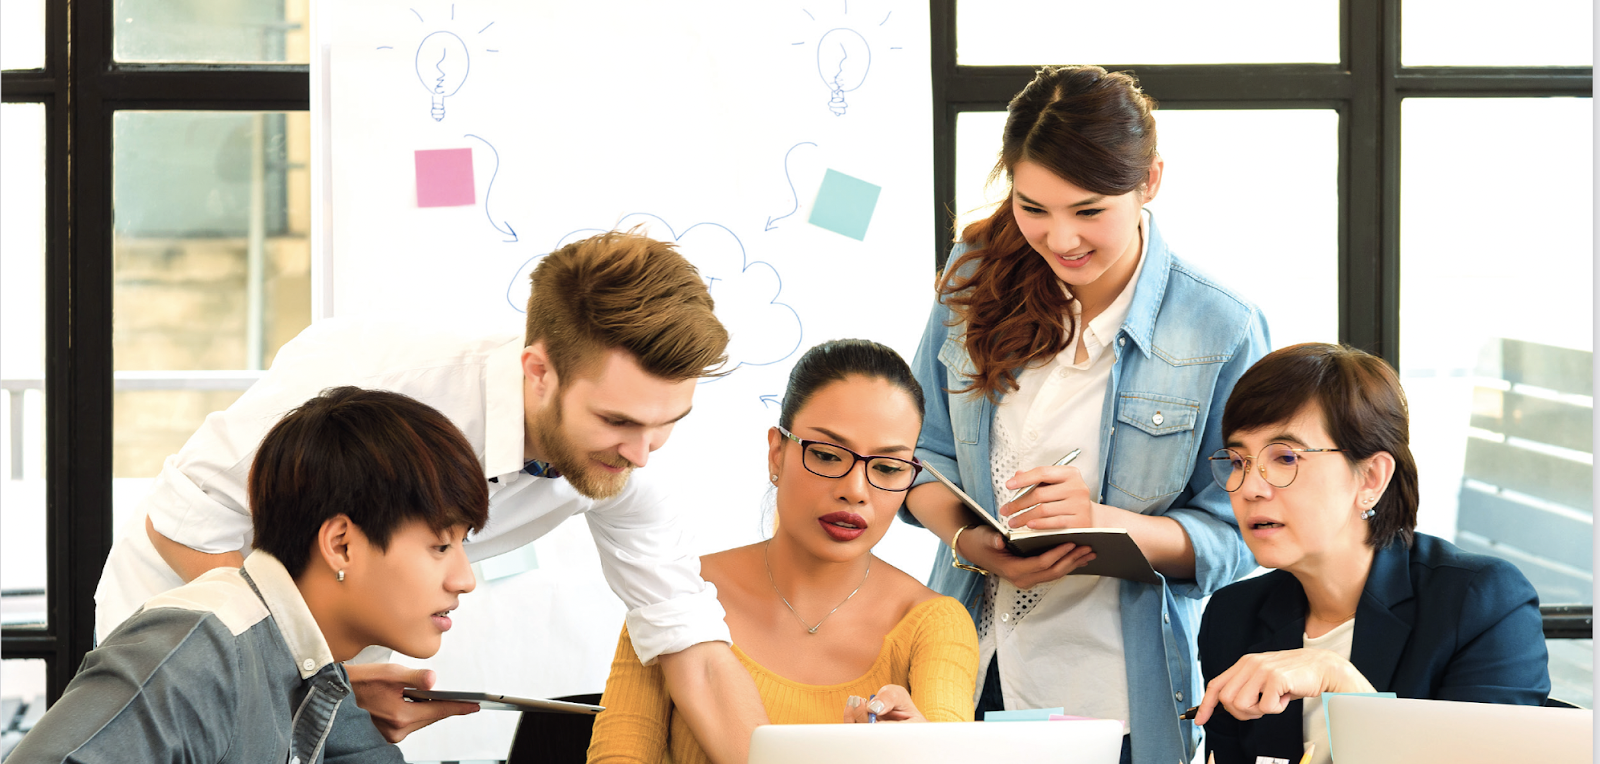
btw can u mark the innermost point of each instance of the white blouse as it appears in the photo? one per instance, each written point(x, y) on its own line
point(1060, 643)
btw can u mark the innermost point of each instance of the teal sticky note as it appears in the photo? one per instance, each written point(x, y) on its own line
point(844, 205)
point(519, 560)
point(1022, 715)
point(1327, 722)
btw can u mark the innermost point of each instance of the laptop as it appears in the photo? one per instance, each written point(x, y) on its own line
point(1097, 741)
point(1405, 731)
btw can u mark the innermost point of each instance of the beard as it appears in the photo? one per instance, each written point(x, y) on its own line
point(577, 467)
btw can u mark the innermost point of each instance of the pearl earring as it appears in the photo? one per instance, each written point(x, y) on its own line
point(774, 478)
point(340, 576)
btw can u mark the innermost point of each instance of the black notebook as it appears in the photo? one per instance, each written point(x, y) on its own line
point(1115, 554)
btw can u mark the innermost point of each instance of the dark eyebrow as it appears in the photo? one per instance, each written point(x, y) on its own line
point(629, 421)
point(1096, 199)
point(1281, 437)
point(840, 440)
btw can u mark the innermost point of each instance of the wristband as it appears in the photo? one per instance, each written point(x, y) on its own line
point(955, 557)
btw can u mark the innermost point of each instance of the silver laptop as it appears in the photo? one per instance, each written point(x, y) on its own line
point(1097, 741)
point(1405, 731)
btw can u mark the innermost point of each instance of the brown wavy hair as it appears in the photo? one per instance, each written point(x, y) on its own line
point(1094, 129)
point(624, 290)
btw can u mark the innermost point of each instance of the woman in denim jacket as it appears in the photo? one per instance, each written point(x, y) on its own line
point(1064, 322)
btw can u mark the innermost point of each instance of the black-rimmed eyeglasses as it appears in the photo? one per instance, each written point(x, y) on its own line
point(831, 460)
point(1278, 463)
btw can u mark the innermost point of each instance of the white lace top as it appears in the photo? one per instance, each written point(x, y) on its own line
point(1060, 643)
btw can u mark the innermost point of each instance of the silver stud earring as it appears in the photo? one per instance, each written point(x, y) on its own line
point(340, 576)
point(774, 478)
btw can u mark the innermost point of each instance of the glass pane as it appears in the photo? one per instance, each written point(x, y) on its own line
point(1034, 32)
point(212, 270)
point(237, 31)
point(1496, 329)
point(1215, 164)
point(1484, 33)
point(22, 495)
point(22, 34)
point(22, 693)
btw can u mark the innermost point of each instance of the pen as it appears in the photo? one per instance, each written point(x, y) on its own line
point(1062, 462)
point(872, 718)
point(1187, 716)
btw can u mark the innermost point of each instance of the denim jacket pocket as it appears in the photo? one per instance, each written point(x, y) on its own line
point(1152, 452)
point(965, 408)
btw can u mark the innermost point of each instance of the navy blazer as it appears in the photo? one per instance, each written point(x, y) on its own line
point(1433, 622)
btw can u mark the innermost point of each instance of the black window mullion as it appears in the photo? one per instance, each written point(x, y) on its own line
point(1365, 246)
point(78, 368)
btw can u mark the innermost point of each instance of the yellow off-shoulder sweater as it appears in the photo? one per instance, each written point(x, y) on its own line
point(932, 652)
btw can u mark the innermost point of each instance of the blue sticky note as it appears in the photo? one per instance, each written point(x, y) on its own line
point(1327, 723)
point(844, 205)
point(519, 560)
point(1023, 715)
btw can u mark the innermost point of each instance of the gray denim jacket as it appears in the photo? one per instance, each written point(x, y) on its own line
point(228, 668)
point(1184, 344)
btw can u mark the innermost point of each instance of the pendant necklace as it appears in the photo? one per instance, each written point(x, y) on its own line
point(766, 560)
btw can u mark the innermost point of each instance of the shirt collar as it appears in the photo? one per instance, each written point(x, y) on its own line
point(1105, 325)
point(504, 414)
point(1150, 286)
point(299, 628)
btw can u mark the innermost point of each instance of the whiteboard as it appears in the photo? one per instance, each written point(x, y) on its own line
point(787, 148)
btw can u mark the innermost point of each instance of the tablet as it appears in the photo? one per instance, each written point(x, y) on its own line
point(490, 702)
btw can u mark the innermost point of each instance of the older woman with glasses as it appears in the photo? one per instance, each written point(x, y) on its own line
point(1321, 478)
point(828, 632)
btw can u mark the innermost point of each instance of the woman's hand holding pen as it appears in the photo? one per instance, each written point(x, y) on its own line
point(892, 703)
point(1059, 499)
point(984, 547)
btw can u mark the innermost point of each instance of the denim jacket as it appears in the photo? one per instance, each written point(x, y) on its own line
point(1184, 344)
point(230, 668)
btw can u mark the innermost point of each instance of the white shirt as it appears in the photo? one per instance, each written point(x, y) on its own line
point(200, 498)
point(1314, 722)
point(1060, 643)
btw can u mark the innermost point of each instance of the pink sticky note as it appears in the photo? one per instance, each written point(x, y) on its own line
point(444, 178)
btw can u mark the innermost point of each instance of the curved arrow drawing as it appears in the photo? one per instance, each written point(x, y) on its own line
point(786, 176)
point(508, 230)
point(771, 399)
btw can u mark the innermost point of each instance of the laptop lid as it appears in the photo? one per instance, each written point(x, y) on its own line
point(1097, 741)
point(1406, 730)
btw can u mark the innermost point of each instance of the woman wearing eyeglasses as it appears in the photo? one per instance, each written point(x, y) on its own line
point(828, 632)
point(1065, 321)
point(1320, 474)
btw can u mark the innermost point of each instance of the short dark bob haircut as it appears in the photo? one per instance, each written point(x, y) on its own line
point(383, 459)
point(1363, 409)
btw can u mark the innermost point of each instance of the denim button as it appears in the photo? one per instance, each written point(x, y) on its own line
point(1180, 697)
point(1157, 419)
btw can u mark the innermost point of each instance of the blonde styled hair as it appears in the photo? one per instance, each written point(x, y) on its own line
point(623, 290)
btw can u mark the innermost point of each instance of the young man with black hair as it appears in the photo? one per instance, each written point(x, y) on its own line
point(361, 500)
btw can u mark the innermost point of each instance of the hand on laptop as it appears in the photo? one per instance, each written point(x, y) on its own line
point(378, 688)
point(1265, 683)
point(892, 703)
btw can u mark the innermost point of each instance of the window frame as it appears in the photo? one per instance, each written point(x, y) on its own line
point(1366, 90)
point(81, 90)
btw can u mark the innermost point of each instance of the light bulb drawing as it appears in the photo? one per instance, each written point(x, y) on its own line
point(843, 59)
point(442, 66)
